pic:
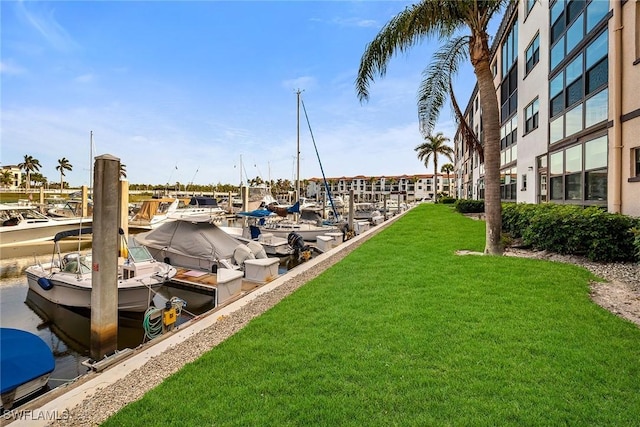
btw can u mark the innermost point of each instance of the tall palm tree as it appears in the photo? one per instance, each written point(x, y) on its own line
point(434, 145)
point(29, 165)
point(123, 171)
point(444, 19)
point(63, 165)
point(447, 168)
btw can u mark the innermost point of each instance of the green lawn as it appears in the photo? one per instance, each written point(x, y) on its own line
point(404, 332)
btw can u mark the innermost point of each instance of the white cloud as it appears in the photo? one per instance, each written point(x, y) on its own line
point(46, 24)
point(9, 68)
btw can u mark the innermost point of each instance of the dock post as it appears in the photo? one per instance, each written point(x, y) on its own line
point(351, 207)
point(124, 215)
point(84, 206)
point(104, 277)
point(43, 208)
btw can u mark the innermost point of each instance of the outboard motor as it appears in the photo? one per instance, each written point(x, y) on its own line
point(296, 241)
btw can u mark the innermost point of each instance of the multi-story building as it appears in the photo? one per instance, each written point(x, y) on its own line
point(16, 177)
point(368, 188)
point(566, 74)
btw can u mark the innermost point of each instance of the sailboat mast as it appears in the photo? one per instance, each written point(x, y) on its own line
point(90, 160)
point(298, 147)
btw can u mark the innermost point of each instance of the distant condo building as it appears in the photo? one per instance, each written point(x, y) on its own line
point(367, 188)
point(567, 77)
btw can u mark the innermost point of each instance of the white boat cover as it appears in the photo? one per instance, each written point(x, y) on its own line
point(198, 239)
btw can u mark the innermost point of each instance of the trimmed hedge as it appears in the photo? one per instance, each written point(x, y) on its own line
point(446, 200)
point(469, 206)
point(568, 229)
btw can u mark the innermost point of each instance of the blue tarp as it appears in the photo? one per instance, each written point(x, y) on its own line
point(258, 213)
point(23, 357)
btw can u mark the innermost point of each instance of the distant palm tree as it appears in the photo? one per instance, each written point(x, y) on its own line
point(123, 171)
point(444, 19)
point(447, 168)
point(63, 164)
point(434, 145)
point(29, 165)
point(6, 178)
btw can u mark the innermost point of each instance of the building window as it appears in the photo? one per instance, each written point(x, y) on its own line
point(531, 116)
point(532, 54)
point(508, 184)
point(509, 83)
point(578, 174)
point(524, 182)
point(578, 92)
point(571, 21)
point(636, 154)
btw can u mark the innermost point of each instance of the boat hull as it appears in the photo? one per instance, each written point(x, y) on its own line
point(69, 290)
point(20, 241)
point(308, 232)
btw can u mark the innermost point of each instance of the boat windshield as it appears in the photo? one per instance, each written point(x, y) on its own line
point(139, 254)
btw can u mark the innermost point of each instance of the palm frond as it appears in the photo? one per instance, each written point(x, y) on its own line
point(435, 87)
point(439, 18)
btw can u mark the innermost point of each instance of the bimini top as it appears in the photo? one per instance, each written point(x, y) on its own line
point(77, 232)
point(25, 357)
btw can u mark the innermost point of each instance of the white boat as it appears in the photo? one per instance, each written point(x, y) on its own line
point(199, 206)
point(68, 280)
point(154, 212)
point(26, 362)
point(309, 231)
point(23, 228)
point(72, 208)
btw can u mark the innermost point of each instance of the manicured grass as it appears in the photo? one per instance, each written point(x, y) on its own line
point(404, 332)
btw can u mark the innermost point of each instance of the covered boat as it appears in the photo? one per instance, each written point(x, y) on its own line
point(26, 362)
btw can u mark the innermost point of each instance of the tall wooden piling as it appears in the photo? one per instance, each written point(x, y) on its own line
point(104, 277)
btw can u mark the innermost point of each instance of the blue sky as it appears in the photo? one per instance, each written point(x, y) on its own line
point(179, 91)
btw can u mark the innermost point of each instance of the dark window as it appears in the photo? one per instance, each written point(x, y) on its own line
point(596, 185)
point(574, 92)
point(598, 76)
point(557, 105)
point(637, 150)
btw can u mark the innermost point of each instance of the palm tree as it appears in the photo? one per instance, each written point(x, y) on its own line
point(29, 165)
point(63, 164)
point(6, 178)
point(444, 19)
point(434, 145)
point(123, 171)
point(447, 168)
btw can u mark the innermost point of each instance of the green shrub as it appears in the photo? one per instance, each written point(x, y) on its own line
point(568, 229)
point(446, 200)
point(469, 206)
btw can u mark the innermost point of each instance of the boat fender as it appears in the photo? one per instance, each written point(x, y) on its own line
point(45, 283)
point(242, 253)
point(257, 250)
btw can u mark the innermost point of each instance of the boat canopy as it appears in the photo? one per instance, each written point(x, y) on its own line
point(199, 239)
point(25, 357)
point(77, 232)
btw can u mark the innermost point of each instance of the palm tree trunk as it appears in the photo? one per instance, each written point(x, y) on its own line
point(491, 119)
point(435, 177)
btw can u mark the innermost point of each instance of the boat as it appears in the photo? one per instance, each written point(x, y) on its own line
point(67, 280)
point(273, 245)
point(72, 208)
point(199, 206)
point(154, 212)
point(24, 230)
point(259, 197)
point(26, 362)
